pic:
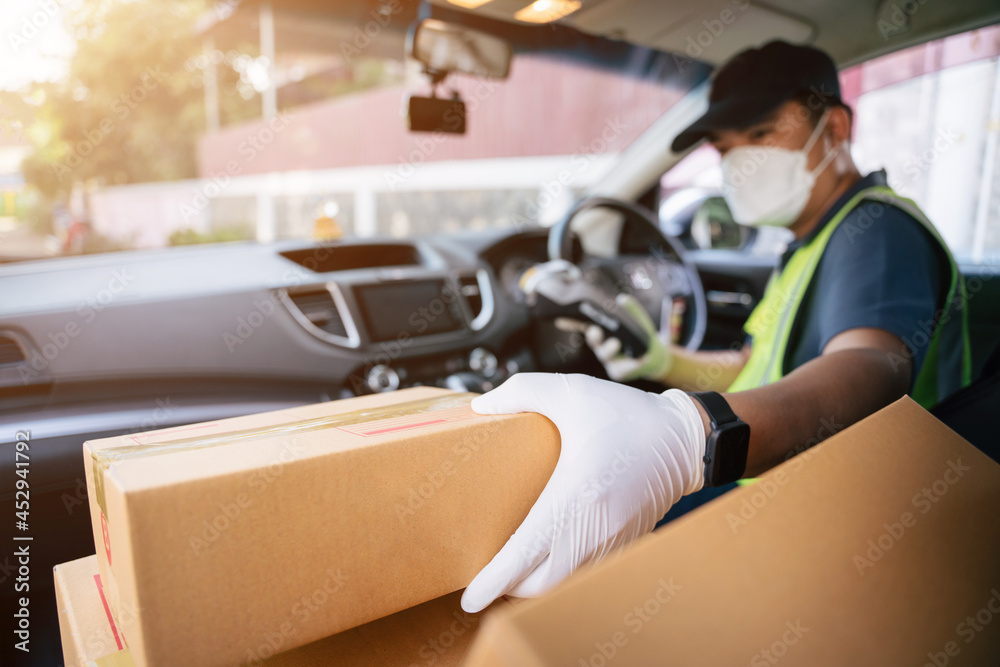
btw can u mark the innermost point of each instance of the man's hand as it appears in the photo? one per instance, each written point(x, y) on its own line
point(655, 364)
point(627, 456)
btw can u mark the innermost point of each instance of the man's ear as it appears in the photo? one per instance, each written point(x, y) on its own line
point(839, 124)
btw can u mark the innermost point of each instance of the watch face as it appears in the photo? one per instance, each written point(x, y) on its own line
point(729, 458)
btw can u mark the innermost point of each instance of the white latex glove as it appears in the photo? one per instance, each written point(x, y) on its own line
point(627, 456)
point(653, 365)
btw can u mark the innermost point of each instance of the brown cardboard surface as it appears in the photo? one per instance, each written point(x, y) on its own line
point(299, 534)
point(436, 633)
point(880, 546)
point(85, 626)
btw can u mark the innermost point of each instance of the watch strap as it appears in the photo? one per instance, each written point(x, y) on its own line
point(718, 409)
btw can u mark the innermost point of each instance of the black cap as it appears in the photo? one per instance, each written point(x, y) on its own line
point(755, 82)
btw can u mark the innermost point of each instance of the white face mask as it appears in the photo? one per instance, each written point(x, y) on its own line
point(771, 185)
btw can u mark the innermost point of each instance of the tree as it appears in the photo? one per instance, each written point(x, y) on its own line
point(131, 108)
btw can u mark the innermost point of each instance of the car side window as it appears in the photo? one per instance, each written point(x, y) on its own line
point(930, 116)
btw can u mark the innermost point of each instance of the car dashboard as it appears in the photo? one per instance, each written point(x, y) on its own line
point(278, 320)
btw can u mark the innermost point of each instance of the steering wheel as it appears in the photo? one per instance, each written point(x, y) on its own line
point(677, 276)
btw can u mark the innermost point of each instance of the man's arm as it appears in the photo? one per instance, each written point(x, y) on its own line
point(713, 370)
point(859, 372)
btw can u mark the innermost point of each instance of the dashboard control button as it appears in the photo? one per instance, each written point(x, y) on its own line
point(483, 362)
point(382, 378)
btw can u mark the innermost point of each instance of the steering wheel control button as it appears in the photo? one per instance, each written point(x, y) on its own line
point(639, 277)
point(483, 362)
point(382, 378)
point(547, 276)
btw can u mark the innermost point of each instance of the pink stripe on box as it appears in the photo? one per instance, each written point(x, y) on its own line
point(107, 610)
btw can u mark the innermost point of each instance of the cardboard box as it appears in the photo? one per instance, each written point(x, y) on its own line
point(434, 633)
point(880, 546)
point(89, 636)
point(285, 527)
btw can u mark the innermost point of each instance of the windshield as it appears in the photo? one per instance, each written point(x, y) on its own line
point(142, 124)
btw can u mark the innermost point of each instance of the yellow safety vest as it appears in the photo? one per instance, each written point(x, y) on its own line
point(771, 322)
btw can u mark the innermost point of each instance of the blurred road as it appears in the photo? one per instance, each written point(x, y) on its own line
point(18, 240)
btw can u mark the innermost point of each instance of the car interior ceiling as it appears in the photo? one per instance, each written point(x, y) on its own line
point(831, 26)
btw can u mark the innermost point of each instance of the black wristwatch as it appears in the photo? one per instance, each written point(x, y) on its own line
point(727, 445)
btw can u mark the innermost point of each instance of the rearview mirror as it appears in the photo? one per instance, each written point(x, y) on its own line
point(444, 48)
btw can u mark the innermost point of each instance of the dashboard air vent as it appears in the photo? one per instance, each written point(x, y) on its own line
point(470, 290)
point(10, 351)
point(320, 309)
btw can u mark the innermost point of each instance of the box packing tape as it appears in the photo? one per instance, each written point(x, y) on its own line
point(102, 459)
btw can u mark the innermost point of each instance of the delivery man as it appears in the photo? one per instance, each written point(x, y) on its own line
point(867, 306)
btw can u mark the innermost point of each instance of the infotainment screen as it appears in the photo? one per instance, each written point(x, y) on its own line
point(417, 308)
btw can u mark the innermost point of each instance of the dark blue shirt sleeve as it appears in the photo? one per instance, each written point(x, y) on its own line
point(886, 275)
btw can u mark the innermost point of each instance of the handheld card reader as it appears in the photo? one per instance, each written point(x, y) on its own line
point(557, 288)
